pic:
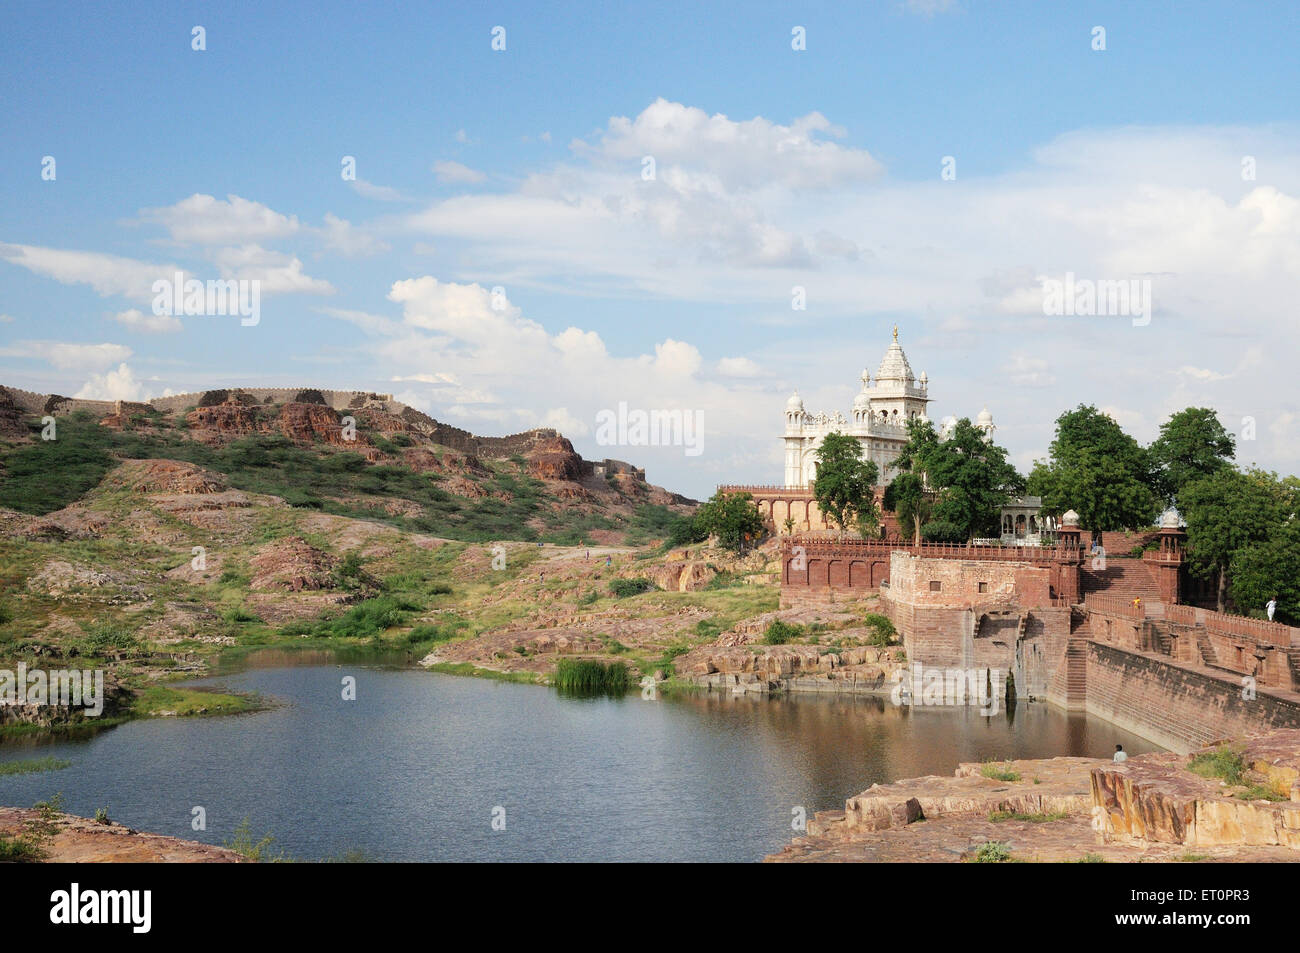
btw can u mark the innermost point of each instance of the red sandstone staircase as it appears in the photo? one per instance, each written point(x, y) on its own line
point(1124, 577)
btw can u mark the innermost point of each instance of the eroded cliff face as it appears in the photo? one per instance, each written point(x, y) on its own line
point(1151, 807)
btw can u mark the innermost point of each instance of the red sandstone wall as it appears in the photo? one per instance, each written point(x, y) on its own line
point(1174, 707)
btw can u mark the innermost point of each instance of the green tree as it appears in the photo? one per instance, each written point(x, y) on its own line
point(1269, 569)
point(1192, 444)
point(972, 479)
point(1226, 513)
point(732, 517)
point(906, 497)
point(844, 487)
point(1097, 470)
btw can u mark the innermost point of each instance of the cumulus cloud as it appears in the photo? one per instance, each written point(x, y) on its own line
point(117, 384)
point(207, 220)
point(747, 154)
point(148, 323)
point(278, 272)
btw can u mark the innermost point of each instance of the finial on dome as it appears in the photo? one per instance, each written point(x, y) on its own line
point(895, 333)
point(866, 378)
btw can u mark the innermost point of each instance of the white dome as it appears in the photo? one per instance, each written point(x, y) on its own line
point(1070, 518)
point(1170, 519)
point(862, 401)
point(795, 404)
point(985, 418)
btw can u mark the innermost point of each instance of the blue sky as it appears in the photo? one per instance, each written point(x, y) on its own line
point(522, 169)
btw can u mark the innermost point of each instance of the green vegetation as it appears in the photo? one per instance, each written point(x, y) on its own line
point(845, 483)
point(1091, 858)
point(732, 517)
point(999, 772)
point(885, 630)
point(780, 633)
point(1224, 762)
point(32, 766)
point(101, 816)
point(156, 699)
point(587, 677)
point(1038, 818)
point(1097, 470)
point(623, 588)
point(44, 476)
point(32, 843)
point(257, 851)
point(1260, 792)
point(992, 852)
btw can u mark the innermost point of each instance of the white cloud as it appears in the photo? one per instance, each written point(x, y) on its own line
point(747, 154)
point(108, 274)
point(138, 320)
point(379, 193)
point(350, 240)
point(207, 220)
point(448, 171)
point(277, 271)
point(69, 356)
point(738, 367)
point(118, 384)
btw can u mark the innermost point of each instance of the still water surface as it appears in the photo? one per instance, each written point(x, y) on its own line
point(414, 768)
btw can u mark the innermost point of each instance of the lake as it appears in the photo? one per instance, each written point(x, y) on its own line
point(416, 768)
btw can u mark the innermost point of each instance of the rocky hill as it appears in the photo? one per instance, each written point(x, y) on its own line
point(361, 455)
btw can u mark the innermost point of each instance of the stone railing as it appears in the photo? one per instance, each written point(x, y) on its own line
point(830, 540)
point(1114, 605)
point(1239, 626)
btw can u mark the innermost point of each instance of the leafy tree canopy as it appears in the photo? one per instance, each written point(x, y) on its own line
point(732, 517)
point(1097, 470)
point(844, 488)
point(1192, 444)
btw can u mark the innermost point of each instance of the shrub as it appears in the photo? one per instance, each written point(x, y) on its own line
point(885, 630)
point(6, 614)
point(309, 396)
point(623, 588)
point(992, 852)
point(101, 816)
point(779, 633)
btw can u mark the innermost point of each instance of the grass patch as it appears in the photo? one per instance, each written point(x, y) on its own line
point(1260, 792)
point(1039, 818)
point(32, 766)
point(999, 772)
point(588, 677)
point(1091, 858)
point(472, 670)
point(156, 699)
point(1223, 762)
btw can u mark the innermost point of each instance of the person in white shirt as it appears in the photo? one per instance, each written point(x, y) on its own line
point(1271, 607)
point(1119, 753)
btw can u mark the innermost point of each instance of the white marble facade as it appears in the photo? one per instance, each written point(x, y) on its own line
point(878, 419)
